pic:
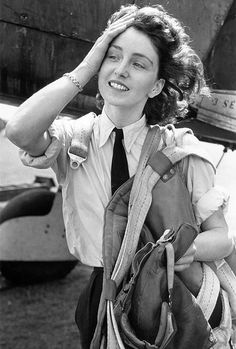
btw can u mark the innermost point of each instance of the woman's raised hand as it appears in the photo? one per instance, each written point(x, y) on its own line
point(94, 58)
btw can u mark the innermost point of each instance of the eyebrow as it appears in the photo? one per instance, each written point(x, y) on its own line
point(135, 53)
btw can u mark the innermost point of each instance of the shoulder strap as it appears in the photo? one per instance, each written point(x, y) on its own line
point(78, 150)
point(150, 147)
point(181, 142)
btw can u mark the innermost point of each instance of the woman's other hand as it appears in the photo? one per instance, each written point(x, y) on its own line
point(187, 259)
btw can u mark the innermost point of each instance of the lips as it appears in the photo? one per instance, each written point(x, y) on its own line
point(118, 85)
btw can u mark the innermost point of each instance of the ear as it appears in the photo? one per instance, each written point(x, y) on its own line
point(157, 88)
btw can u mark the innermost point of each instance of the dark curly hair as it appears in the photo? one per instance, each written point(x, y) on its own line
point(180, 66)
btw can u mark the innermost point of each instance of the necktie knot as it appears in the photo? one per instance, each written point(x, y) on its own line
point(119, 133)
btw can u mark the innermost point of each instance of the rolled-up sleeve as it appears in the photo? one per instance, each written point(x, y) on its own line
point(55, 156)
point(206, 197)
point(210, 202)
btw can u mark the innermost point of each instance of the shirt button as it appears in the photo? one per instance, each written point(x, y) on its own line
point(165, 177)
point(172, 171)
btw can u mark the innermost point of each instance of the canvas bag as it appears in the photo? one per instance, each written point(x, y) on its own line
point(156, 309)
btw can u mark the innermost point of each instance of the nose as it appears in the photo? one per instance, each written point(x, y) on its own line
point(122, 70)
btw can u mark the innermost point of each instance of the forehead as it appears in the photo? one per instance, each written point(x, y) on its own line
point(134, 41)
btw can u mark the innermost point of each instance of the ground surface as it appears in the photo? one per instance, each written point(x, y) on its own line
point(41, 316)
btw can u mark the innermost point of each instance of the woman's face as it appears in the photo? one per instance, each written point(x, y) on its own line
point(128, 75)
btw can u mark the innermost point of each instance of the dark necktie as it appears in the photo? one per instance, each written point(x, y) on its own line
point(119, 166)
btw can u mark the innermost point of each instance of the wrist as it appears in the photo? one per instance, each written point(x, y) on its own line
point(92, 70)
point(83, 72)
point(74, 80)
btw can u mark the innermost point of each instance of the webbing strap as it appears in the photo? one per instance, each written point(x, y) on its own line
point(78, 150)
point(228, 282)
point(150, 146)
point(209, 291)
point(160, 163)
point(110, 290)
point(170, 254)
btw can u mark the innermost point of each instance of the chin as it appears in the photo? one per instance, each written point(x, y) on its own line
point(117, 101)
point(118, 104)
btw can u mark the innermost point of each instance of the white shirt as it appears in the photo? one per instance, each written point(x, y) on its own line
point(87, 190)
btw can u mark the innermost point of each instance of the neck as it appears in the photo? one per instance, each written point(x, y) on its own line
point(122, 117)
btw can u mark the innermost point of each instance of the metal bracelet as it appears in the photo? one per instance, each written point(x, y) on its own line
point(74, 80)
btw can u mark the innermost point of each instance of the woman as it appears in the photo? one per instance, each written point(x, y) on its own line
point(147, 74)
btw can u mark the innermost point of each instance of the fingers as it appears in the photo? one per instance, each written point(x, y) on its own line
point(187, 259)
point(126, 19)
point(183, 263)
point(191, 251)
point(119, 26)
point(181, 267)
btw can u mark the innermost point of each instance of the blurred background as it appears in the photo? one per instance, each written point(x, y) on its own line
point(39, 42)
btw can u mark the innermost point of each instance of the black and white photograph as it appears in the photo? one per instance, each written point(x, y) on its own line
point(117, 174)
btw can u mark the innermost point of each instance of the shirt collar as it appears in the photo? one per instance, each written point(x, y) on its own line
point(105, 128)
point(131, 131)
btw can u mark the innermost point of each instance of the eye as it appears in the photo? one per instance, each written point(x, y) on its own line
point(113, 57)
point(138, 65)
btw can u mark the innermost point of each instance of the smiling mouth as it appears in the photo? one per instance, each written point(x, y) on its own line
point(118, 86)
